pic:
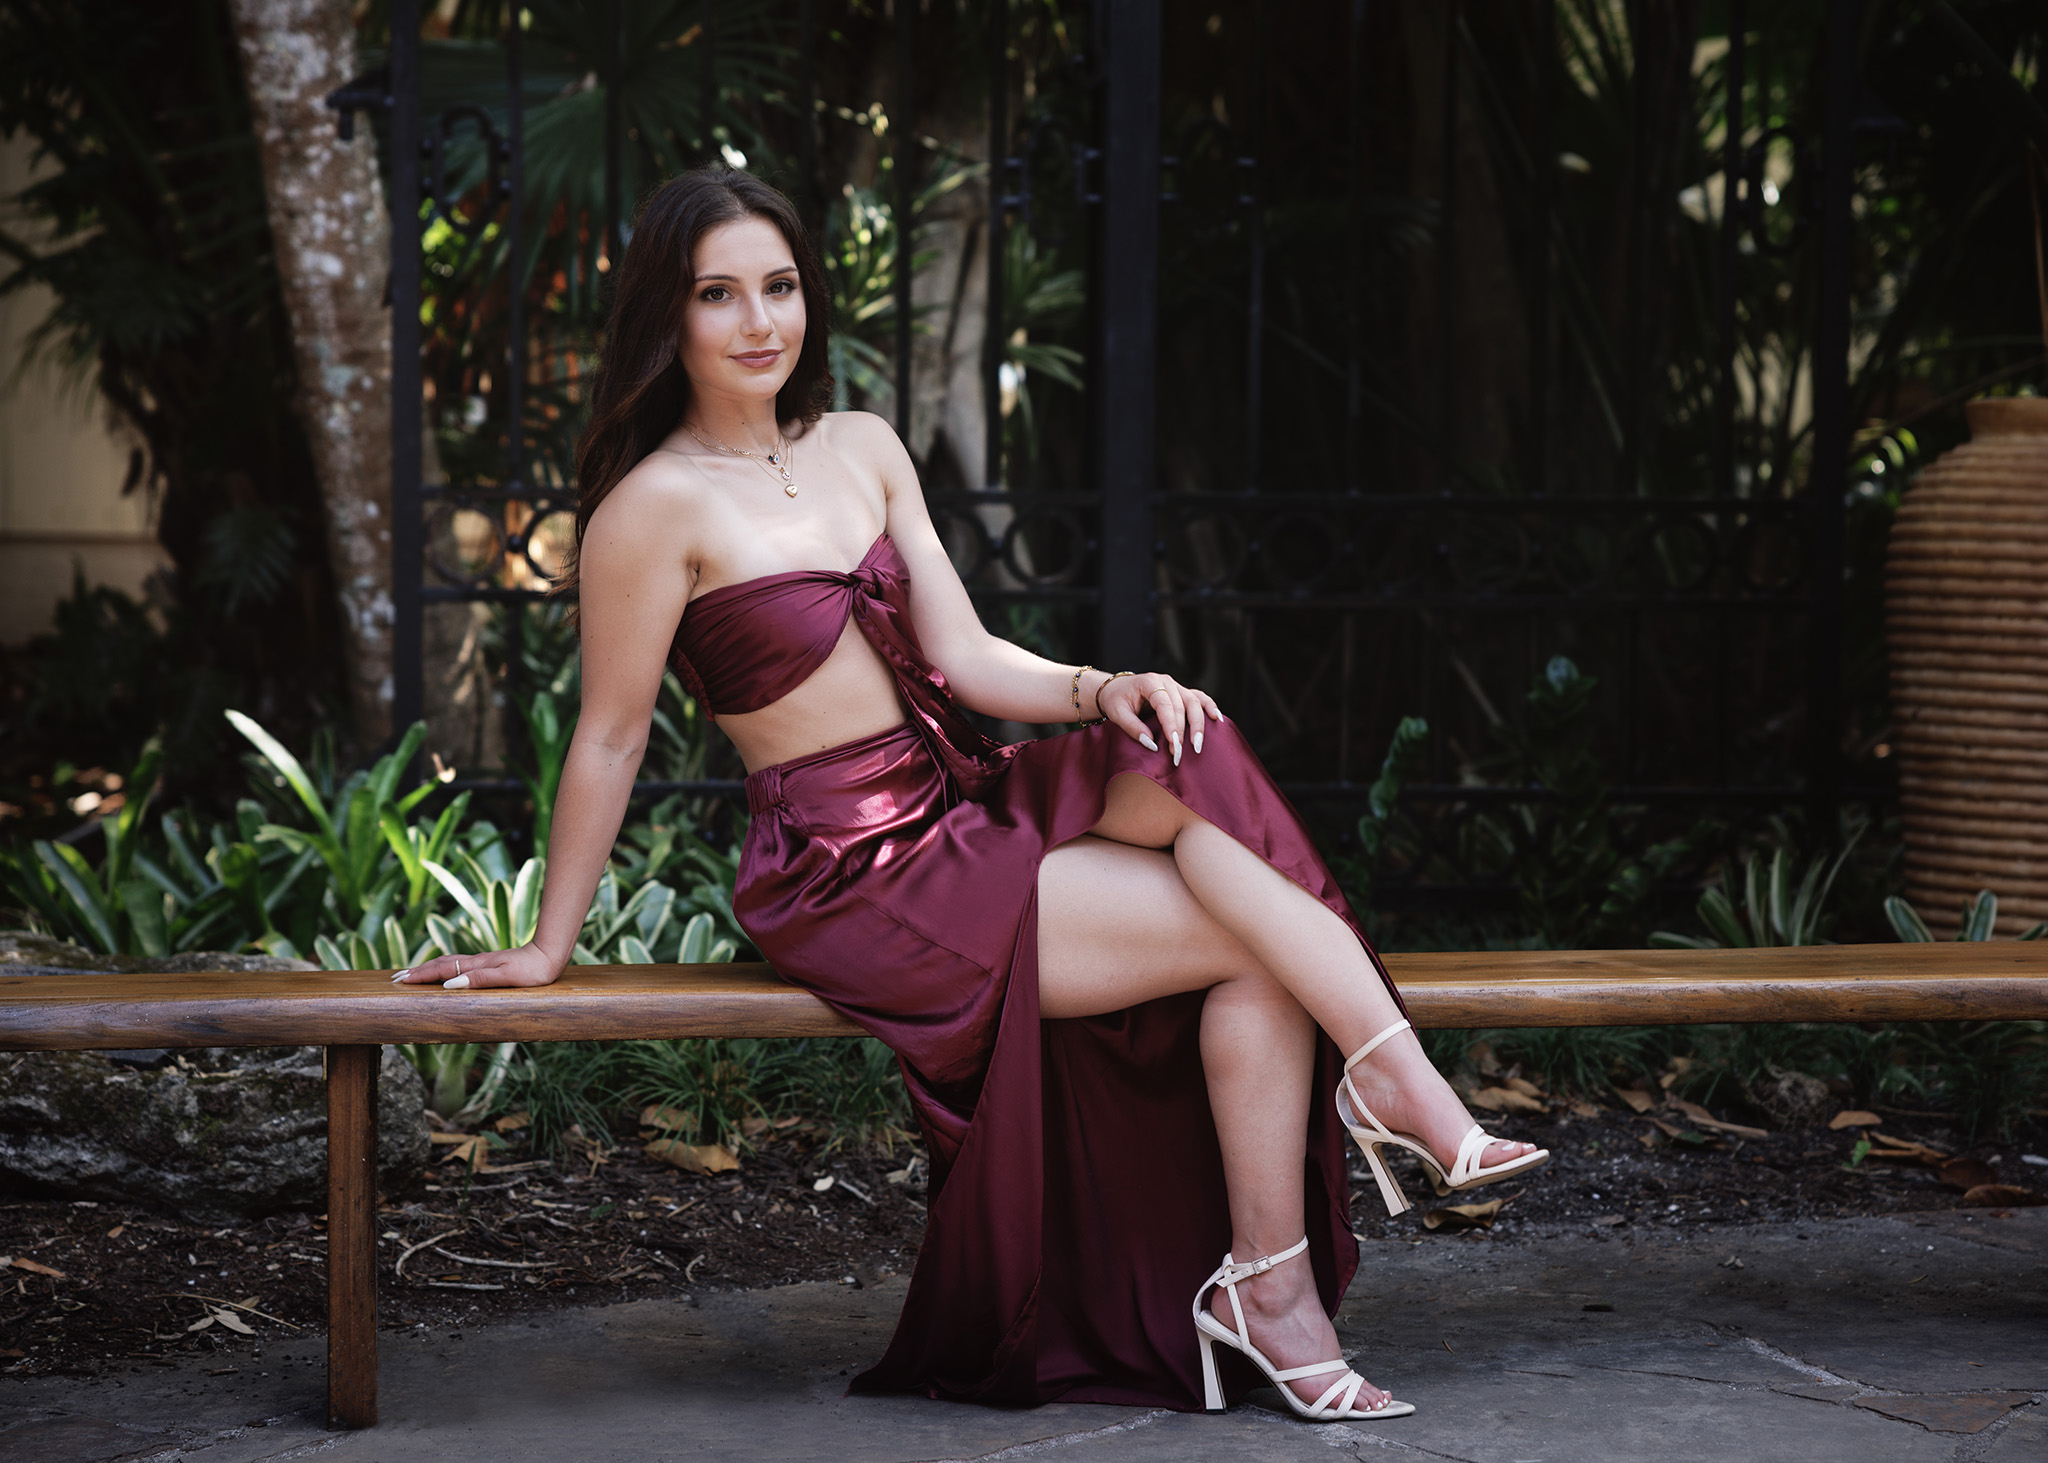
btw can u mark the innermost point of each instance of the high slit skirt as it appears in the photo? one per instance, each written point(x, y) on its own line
point(1077, 1196)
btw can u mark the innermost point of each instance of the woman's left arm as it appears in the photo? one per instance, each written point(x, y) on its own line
point(996, 677)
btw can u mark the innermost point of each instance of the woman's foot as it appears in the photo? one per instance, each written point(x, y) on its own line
point(1285, 1319)
point(1410, 1096)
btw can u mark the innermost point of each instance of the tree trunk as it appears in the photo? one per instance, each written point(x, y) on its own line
point(332, 239)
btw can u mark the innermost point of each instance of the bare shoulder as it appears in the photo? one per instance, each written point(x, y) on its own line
point(655, 513)
point(860, 435)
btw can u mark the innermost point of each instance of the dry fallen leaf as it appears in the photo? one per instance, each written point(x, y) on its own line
point(512, 1122)
point(115, 1232)
point(1608, 1221)
point(451, 1137)
point(704, 1158)
point(1987, 1196)
point(474, 1149)
point(234, 1323)
point(1463, 1216)
point(1636, 1098)
point(1853, 1118)
point(1706, 1119)
point(1506, 1099)
point(1583, 1109)
point(1524, 1086)
point(1967, 1173)
point(753, 1127)
point(202, 1323)
point(1904, 1151)
point(35, 1268)
point(670, 1119)
point(1481, 1055)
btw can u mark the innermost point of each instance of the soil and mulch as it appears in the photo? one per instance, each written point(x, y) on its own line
point(491, 1233)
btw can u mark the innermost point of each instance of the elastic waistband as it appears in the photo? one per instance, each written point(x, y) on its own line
point(764, 786)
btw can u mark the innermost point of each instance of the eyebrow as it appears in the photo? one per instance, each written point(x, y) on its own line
point(734, 279)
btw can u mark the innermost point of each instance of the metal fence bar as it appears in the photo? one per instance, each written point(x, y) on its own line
point(1731, 239)
point(1544, 168)
point(904, 156)
point(408, 676)
point(998, 241)
point(1354, 282)
point(707, 80)
point(1828, 480)
point(1252, 199)
point(614, 127)
point(515, 291)
point(1125, 382)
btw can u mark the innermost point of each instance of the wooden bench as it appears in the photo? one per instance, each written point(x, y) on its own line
point(352, 1013)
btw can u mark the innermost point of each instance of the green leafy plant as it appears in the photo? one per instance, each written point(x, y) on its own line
point(1774, 912)
point(1980, 918)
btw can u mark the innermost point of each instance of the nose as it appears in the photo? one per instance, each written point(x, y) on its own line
point(757, 322)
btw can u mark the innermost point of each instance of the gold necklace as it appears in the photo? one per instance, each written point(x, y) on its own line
point(776, 463)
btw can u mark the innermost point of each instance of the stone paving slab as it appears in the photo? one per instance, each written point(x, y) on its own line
point(1904, 1338)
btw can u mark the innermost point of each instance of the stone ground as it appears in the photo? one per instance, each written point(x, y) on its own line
point(1899, 1337)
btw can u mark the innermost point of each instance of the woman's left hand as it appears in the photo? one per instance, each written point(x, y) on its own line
point(1182, 710)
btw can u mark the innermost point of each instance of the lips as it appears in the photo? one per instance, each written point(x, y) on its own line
point(758, 359)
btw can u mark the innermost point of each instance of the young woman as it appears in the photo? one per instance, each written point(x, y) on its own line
point(1116, 973)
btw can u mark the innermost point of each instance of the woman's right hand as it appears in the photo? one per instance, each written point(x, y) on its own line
point(528, 965)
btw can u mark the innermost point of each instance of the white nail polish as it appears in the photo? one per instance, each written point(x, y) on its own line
point(401, 975)
point(460, 983)
point(1145, 741)
point(1176, 751)
point(1198, 744)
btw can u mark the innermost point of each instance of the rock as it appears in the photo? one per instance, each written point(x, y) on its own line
point(23, 952)
point(213, 1132)
point(1791, 1099)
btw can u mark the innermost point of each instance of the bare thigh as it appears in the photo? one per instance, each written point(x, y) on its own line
point(1117, 924)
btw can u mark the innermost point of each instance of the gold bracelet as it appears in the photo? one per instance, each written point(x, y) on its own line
point(1100, 714)
point(1074, 690)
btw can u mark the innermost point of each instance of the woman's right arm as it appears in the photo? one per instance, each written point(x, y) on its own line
point(633, 582)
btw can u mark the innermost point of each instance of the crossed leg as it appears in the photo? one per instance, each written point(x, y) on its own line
point(1158, 901)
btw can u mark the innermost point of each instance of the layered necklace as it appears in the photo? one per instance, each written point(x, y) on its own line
point(776, 464)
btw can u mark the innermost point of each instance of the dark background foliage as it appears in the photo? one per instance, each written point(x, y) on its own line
point(158, 252)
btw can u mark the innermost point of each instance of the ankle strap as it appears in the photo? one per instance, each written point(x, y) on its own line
point(1233, 1272)
point(1367, 1050)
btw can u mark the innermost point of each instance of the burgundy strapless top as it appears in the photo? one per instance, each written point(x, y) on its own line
point(744, 646)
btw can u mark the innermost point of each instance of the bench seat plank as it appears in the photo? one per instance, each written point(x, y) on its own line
point(2002, 980)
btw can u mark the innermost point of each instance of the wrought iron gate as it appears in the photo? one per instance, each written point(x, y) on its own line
point(1325, 608)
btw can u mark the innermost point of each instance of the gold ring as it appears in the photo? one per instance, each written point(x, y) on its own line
point(458, 965)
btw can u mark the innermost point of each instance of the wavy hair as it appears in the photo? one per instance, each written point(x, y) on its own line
point(641, 391)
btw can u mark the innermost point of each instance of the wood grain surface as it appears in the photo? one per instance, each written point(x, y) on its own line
point(352, 1235)
point(2003, 980)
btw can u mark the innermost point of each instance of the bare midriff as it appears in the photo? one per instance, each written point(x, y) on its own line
point(852, 695)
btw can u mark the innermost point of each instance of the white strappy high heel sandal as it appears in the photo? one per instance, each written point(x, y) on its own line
point(1335, 1405)
point(1372, 1136)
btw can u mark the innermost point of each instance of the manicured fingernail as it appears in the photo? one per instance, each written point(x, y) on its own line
point(1176, 751)
point(460, 983)
point(1145, 741)
point(401, 975)
point(1198, 743)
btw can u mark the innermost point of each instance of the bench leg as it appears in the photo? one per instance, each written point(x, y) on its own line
point(352, 1235)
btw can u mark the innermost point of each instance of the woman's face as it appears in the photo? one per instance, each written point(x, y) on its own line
point(744, 323)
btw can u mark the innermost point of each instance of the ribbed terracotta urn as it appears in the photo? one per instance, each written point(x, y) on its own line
point(1966, 614)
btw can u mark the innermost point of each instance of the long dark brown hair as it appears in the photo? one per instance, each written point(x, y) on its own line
point(642, 391)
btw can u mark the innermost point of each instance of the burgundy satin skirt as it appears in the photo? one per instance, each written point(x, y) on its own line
point(1077, 1195)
